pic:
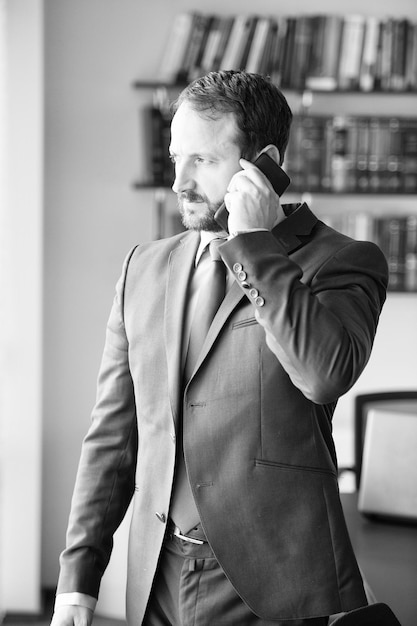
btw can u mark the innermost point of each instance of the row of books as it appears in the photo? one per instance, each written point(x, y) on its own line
point(341, 154)
point(353, 154)
point(317, 52)
point(395, 235)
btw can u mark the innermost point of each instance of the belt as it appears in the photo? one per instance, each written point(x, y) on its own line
point(173, 530)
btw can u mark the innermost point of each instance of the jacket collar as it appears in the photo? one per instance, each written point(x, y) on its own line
point(299, 222)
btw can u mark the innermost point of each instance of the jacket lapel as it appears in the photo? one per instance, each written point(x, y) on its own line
point(180, 266)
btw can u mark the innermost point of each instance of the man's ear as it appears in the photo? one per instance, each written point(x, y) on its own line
point(271, 151)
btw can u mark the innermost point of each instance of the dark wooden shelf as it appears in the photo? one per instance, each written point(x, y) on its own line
point(151, 185)
point(152, 84)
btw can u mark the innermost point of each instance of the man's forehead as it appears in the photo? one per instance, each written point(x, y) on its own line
point(199, 131)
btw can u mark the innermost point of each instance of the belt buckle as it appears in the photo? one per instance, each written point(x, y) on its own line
point(177, 533)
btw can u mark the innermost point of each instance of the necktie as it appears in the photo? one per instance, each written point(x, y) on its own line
point(210, 295)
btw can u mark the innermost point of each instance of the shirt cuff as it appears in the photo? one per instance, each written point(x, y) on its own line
point(75, 599)
point(249, 230)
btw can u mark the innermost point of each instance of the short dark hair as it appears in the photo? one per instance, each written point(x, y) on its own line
point(261, 110)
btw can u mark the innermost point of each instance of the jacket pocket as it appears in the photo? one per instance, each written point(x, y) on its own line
point(250, 321)
point(296, 468)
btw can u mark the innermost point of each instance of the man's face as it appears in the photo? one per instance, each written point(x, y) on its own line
point(206, 156)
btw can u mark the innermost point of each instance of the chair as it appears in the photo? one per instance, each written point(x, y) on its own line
point(365, 402)
point(378, 614)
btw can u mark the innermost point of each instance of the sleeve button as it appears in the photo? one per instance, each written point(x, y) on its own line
point(237, 267)
point(259, 301)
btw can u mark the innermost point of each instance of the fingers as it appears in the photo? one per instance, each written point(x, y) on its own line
point(248, 173)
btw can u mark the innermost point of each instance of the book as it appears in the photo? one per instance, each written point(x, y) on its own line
point(226, 25)
point(312, 150)
point(261, 40)
point(176, 47)
point(369, 54)
point(409, 155)
point(343, 135)
point(362, 152)
point(160, 131)
point(267, 61)
point(247, 41)
point(386, 54)
point(301, 52)
point(322, 74)
point(208, 54)
point(398, 55)
point(294, 158)
point(411, 58)
point(278, 51)
point(236, 43)
point(410, 278)
point(394, 156)
point(376, 155)
point(391, 239)
point(287, 52)
point(191, 67)
point(351, 51)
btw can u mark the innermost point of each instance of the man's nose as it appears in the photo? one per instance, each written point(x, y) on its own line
point(183, 179)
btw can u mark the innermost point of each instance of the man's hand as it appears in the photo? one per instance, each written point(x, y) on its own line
point(251, 200)
point(70, 615)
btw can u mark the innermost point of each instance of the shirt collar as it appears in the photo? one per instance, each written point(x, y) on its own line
point(205, 238)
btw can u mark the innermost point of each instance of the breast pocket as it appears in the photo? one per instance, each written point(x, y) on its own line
point(250, 321)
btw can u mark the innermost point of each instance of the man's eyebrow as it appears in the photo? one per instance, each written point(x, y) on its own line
point(193, 155)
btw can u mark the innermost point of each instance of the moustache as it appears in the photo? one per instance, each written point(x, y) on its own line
point(190, 196)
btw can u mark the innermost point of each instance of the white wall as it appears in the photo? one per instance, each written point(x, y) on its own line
point(94, 50)
point(92, 218)
point(21, 281)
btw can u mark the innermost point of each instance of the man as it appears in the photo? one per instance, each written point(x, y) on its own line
point(231, 465)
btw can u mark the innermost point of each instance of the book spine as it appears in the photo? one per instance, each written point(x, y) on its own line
point(411, 253)
point(351, 51)
point(288, 52)
point(369, 56)
point(160, 120)
point(342, 157)
point(278, 52)
point(394, 156)
point(409, 155)
point(313, 146)
point(294, 158)
point(233, 48)
point(362, 152)
point(175, 48)
point(260, 41)
point(303, 35)
point(192, 53)
point(226, 26)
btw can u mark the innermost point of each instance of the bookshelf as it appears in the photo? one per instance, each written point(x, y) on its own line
point(353, 148)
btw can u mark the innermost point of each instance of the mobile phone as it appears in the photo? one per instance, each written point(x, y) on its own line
point(276, 176)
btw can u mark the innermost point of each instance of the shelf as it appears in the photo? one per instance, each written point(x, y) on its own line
point(150, 84)
point(304, 192)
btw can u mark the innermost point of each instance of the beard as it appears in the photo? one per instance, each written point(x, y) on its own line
point(197, 212)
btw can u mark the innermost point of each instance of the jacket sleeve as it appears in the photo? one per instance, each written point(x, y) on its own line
point(320, 322)
point(106, 473)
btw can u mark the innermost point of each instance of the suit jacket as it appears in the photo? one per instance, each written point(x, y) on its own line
point(292, 335)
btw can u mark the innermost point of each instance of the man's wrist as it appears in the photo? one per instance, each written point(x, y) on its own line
point(75, 599)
